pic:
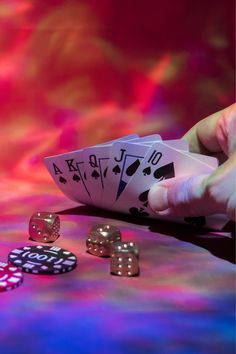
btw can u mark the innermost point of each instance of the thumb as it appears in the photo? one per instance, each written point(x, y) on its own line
point(184, 196)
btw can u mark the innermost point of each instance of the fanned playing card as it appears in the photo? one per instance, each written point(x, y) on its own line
point(117, 175)
point(95, 160)
point(69, 174)
point(125, 158)
point(161, 162)
point(124, 162)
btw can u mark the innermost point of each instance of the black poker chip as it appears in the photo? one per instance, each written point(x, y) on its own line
point(10, 277)
point(43, 259)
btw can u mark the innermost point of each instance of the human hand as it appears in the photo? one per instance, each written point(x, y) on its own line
point(203, 194)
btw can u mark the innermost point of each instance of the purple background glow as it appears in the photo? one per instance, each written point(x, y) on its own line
point(76, 73)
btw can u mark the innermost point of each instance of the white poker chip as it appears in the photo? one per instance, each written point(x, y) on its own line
point(10, 277)
point(43, 259)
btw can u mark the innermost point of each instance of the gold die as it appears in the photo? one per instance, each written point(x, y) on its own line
point(44, 227)
point(124, 259)
point(100, 239)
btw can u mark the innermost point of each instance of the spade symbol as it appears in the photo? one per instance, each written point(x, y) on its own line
point(116, 169)
point(105, 172)
point(121, 187)
point(76, 178)
point(137, 212)
point(132, 168)
point(166, 171)
point(95, 174)
point(62, 180)
point(147, 171)
point(143, 197)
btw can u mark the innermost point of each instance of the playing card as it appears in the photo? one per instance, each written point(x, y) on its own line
point(178, 144)
point(145, 139)
point(53, 164)
point(68, 172)
point(125, 158)
point(161, 162)
point(182, 144)
point(95, 160)
point(209, 160)
point(118, 174)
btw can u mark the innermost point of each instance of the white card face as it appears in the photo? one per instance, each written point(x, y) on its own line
point(125, 159)
point(149, 138)
point(68, 173)
point(73, 165)
point(95, 162)
point(178, 144)
point(209, 160)
point(118, 174)
point(182, 144)
point(53, 164)
point(161, 162)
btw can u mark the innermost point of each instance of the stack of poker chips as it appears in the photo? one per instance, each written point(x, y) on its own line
point(10, 277)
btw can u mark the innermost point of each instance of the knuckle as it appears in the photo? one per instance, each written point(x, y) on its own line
point(211, 188)
point(231, 207)
point(214, 190)
point(225, 130)
point(186, 198)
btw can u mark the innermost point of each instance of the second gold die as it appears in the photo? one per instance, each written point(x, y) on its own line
point(100, 239)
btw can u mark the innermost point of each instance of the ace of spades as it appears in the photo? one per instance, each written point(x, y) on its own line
point(68, 172)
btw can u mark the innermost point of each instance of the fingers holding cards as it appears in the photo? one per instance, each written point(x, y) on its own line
point(119, 174)
point(161, 162)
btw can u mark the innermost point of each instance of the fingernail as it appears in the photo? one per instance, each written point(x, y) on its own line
point(158, 199)
point(165, 212)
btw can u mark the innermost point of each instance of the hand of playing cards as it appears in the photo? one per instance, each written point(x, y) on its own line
point(118, 175)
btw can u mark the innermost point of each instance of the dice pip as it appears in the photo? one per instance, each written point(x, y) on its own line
point(100, 239)
point(44, 227)
point(124, 259)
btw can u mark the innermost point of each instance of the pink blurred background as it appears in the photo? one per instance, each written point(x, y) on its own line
point(76, 73)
